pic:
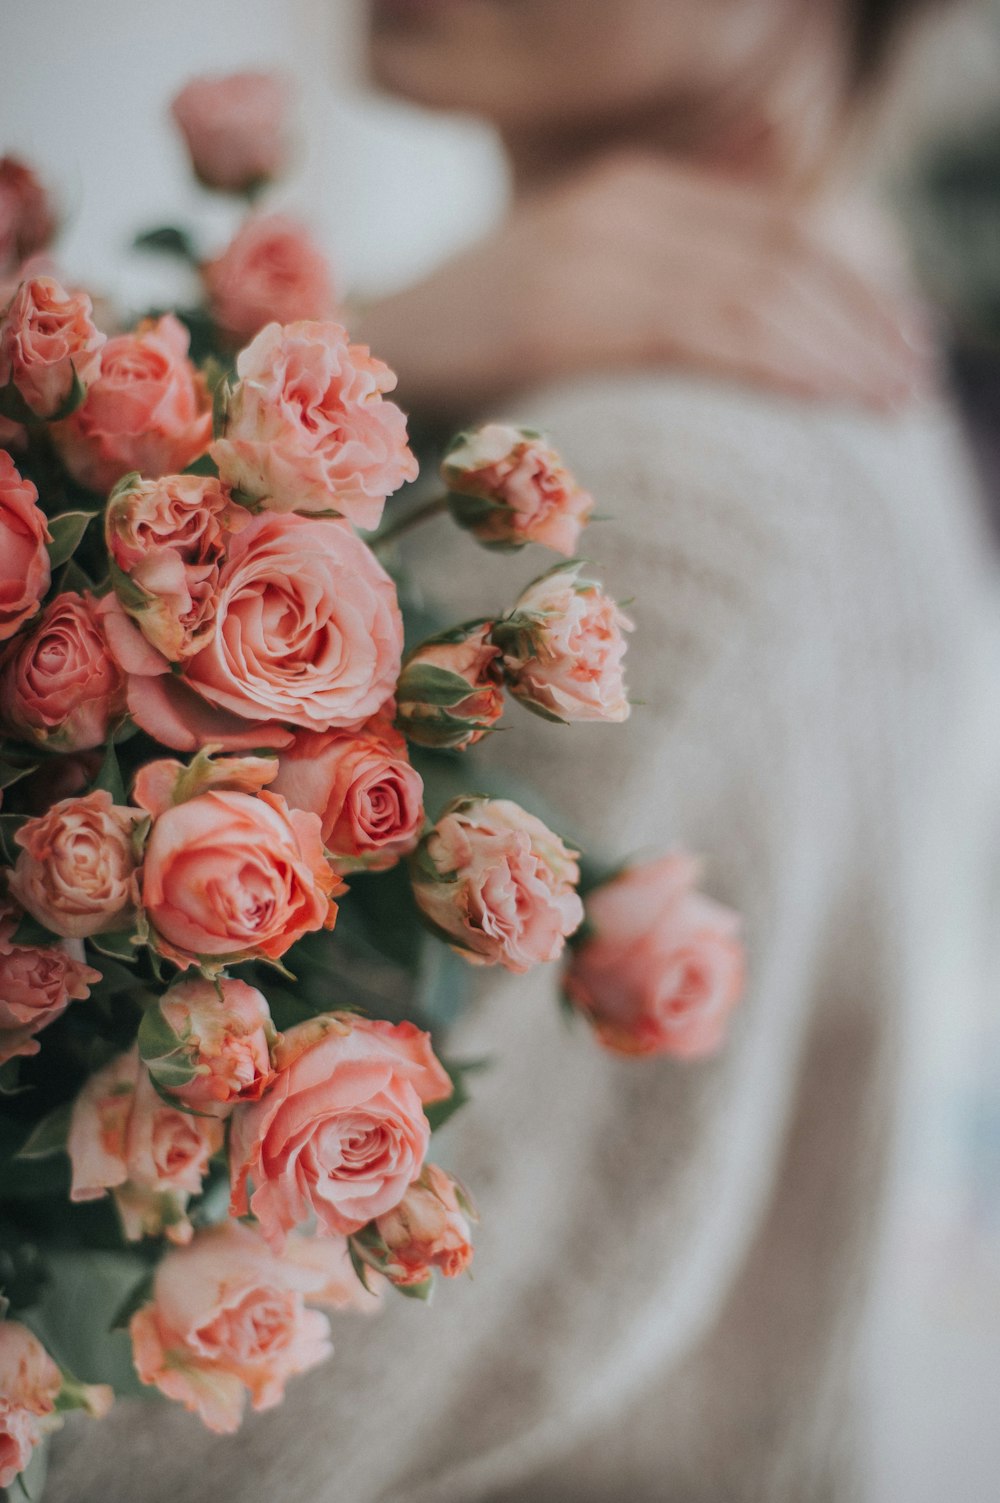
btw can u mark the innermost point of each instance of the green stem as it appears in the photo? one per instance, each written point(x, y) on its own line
point(415, 518)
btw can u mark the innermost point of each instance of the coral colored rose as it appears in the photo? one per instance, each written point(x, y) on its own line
point(27, 222)
point(48, 342)
point(497, 884)
point(563, 649)
point(59, 685)
point(229, 1319)
point(76, 873)
point(37, 984)
point(360, 783)
point(428, 1230)
point(29, 1386)
point(24, 561)
point(450, 692)
point(236, 128)
point(662, 966)
point(149, 409)
point(153, 1157)
point(341, 1133)
point(308, 427)
point(229, 876)
point(272, 271)
point(209, 1045)
point(508, 487)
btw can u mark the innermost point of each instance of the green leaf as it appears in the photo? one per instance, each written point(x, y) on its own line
point(167, 240)
point(109, 779)
point(12, 772)
point(140, 1294)
point(416, 1291)
point(438, 1114)
point(49, 1136)
point(121, 945)
point(30, 932)
point(132, 596)
point(432, 685)
point(9, 826)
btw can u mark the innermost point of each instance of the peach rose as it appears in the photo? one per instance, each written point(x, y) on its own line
point(563, 647)
point(508, 486)
point(661, 967)
point(208, 1044)
point(151, 1156)
point(341, 1133)
point(24, 560)
point(33, 1392)
point(497, 884)
point(428, 1230)
point(272, 271)
point(360, 783)
point(149, 409)
point(49, 345)
point(228, 876)
point(37, 984)
point(236, 128)
point(450, 692)
point(59, 685)
point(27, 222)
point(76, 873)
point(308, 427)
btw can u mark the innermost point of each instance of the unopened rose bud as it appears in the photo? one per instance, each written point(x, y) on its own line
point(207, 1044)
point(27, 222)
point(236, 128)
point(450, 692)
point(508, 486)
point(33, 1394)
point(50, 349)
point(429, 1229)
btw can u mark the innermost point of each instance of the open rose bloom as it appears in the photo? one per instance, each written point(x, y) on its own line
point(37, 984)
point(272, 271)
point(50, 350)
point(24, 559)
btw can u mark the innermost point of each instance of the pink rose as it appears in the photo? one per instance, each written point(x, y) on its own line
point(27, 222)
point(31, 1388)
point(563, 648)
point(228, 876)
point(37, 984)
point(450, 692)
point(308, 427)
point(76, 873)
point(428, 1230)
point(509, 487)
point(228, 1318)
point(151, 1156)
point(360, 783)
point(149, 409)
point(208, 1044)
point(59, 685)
point(24, 560)
point(497, 884)
point(272, 271)
point(236, 128)
point(48, 344)
point(341, 1133)
point(661, 967)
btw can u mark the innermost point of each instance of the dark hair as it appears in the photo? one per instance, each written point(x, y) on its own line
point(876, 24)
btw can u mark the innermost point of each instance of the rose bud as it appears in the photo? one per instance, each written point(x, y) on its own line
point(360, 783)
point(495, 883)
point(563, 647)
point(450, 691)
point(308, 428)
point(341, 1134)
point(428, 1230)
point(59, 685)
point(272, 271)
point(50, 349)
point(27, 222)
point(152, 1156)
point(24, 559)
point(236, 129)
point(76, 873)
point(661, 966)
point(149, 409)
point(208, 1044)
point(33, 1395)
point(37, 984)
point(508, 486)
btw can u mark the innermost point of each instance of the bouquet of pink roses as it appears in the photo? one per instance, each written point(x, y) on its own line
point(231, 933)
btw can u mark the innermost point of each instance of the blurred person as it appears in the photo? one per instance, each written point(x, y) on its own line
point(692, 296)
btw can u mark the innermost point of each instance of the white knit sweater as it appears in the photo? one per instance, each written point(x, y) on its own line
point(672, 1256)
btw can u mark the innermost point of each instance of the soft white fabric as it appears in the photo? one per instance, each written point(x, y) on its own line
point(672, 1256)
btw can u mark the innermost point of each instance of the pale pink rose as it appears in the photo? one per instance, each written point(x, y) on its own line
point(308, 427)
point(29, 1386)
point(341, 1133)
point(27, 222)
point(153, 1157)
point(149, 409)
point(360, 783)
point(450, 692)
point(212, 1044)
point(76, 873)
point(24, 561)
point(48, 343)
point(563, 647)
point(229, 1319)
point(272, 271)
point(59, 685)
point(508, 487)
point(37, 984)
point(662, 966)
point(428, 1230)
point(236, 128)
point(229, 876)
point(497, 884)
